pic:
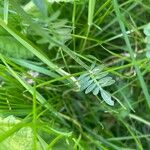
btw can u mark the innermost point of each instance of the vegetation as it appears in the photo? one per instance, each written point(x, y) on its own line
point(74, 75)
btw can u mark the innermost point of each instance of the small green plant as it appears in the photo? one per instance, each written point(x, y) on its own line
point(94, 81)
point(147, 39)
point(57, 29)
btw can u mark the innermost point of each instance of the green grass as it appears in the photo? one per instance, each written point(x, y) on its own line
point(51, 45)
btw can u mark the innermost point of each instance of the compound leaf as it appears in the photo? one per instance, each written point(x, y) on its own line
point(93, 81)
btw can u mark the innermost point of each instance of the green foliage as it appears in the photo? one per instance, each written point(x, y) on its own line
point(52, 1)
point(94, 81)
point(41, 4)
point(50, 112)
point(147, 39)
point(91, 11)
point(12, 48)
point(20, 140)
point(56, 28)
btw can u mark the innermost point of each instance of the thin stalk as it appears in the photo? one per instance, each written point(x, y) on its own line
point(73, 24)
point(91, 12)
point(34, 119)
point(91, 8)
point(6, 7)
point(140, 119)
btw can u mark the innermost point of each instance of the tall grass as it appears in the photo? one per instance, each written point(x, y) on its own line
point(41, 104)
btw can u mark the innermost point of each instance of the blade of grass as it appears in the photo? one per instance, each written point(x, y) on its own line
point(139, 145)
point(91, 12)
point(127, 138)
point(91, 8)
point(50, 146)
point(31, 65)
point(127, 41)
point(37, 52)
point(73, 23)
point(6, 6)
point(27, 86)
point(34, 120)
point(139, 119)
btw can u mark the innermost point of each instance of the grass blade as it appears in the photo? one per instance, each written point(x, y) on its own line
point(127, 41)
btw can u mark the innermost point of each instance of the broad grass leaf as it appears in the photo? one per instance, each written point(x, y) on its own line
point(12, 48)
point(20, 140)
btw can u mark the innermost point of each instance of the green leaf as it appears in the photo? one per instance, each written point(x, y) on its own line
point(91, 11)
point(85, 85)
point(96, 91)
point(148, 54)
point(147, 40)
point(108, 83)
point(20, 140)
point(84, 80)
point(97, 70)
point(93, 81)
point(12, 48)
point(57, 28)
point(41, 4)
point(107, 98)
point(148, 46)
point(101, 75)
point(147, 30)
point(82, 77)
point(90, 88)
point(104, 80)
point(52, 1)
